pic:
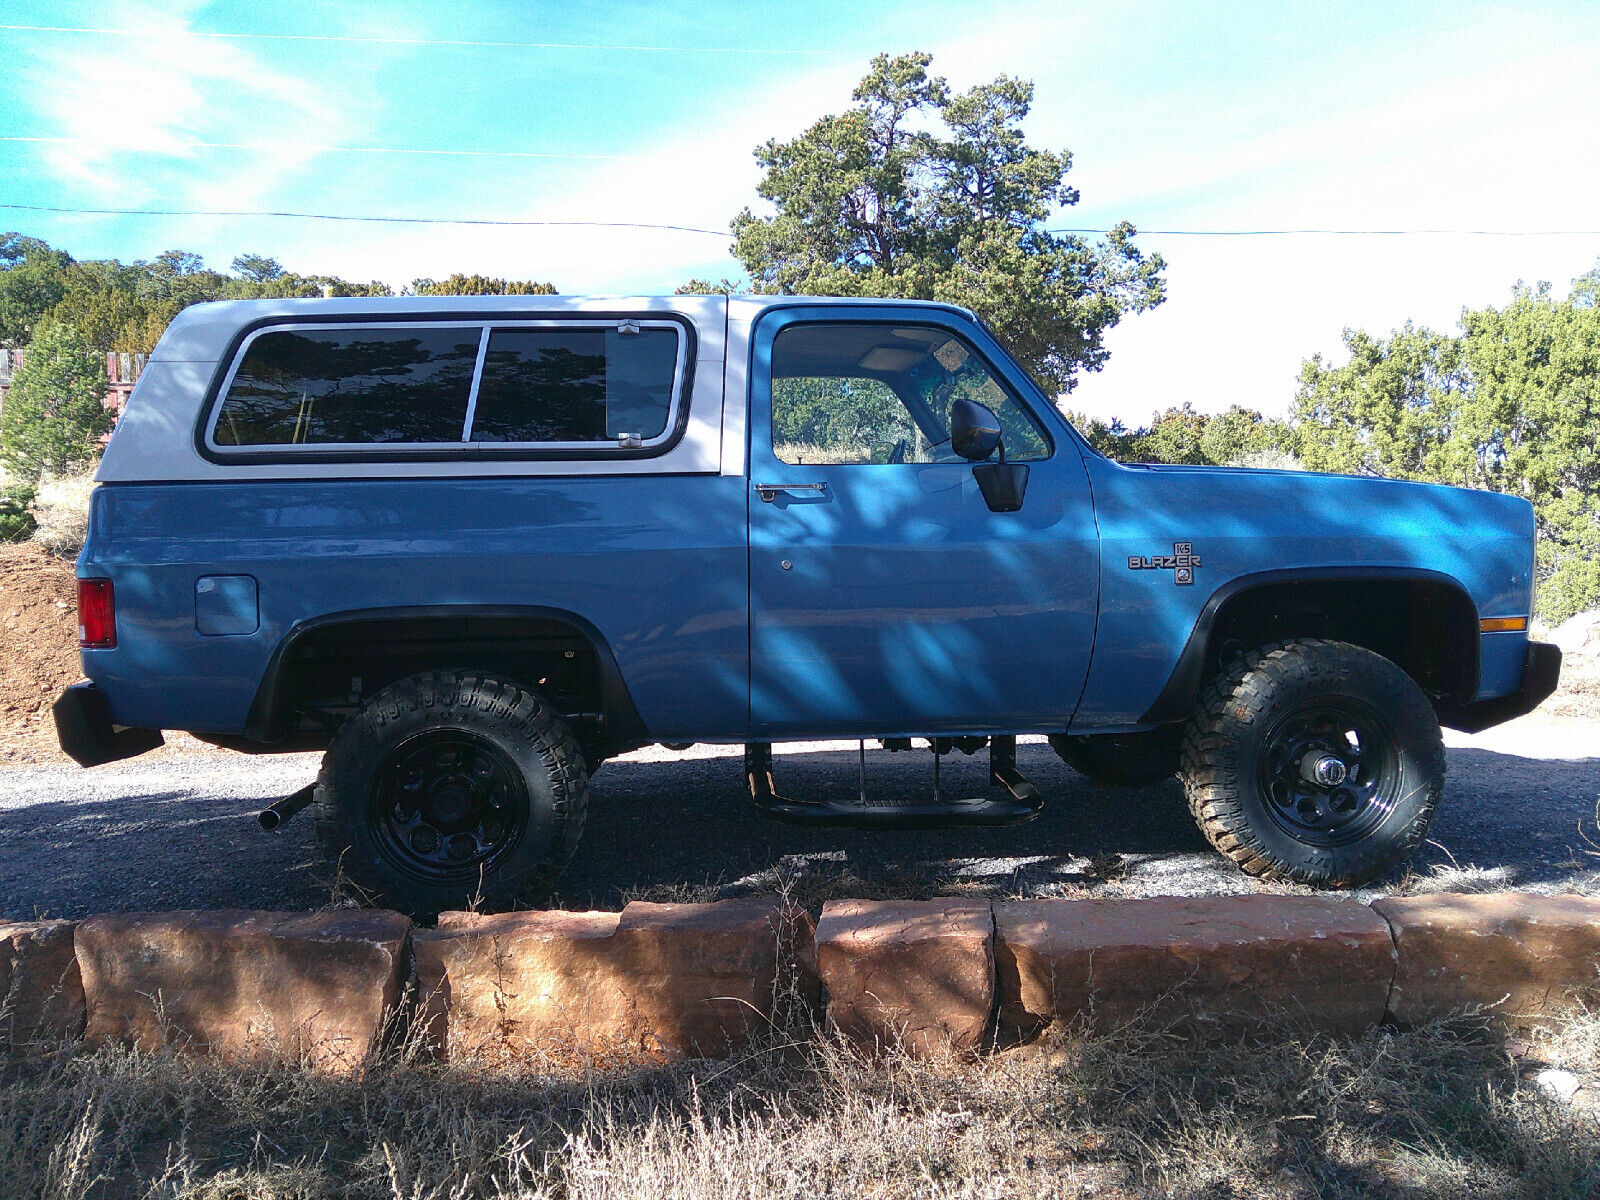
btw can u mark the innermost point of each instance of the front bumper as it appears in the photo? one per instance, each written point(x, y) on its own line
point(1541, 671)
point(86, 733)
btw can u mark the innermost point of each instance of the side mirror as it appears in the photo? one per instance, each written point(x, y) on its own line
point(975, 434)
point(974, 430)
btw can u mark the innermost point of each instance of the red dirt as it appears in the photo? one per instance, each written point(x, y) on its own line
point(38, 650)
point(39, 657)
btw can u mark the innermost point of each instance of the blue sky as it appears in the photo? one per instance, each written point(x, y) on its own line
point(1352, 115)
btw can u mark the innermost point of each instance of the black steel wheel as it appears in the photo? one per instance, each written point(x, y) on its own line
point(1314, 761)
point(452, 789)
point(1330, 771)
point(447, 804)
point(1121, 759)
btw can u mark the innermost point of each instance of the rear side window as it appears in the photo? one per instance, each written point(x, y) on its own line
point(575, 385)
point(341, 386)
point(545, 387)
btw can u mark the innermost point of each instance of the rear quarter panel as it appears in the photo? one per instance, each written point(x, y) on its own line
point(655, 563)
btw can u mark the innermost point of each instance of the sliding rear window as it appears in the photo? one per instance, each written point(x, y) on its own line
point(377, 390)
point(576, 386)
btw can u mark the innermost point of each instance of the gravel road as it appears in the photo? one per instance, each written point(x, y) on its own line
point(179, 830)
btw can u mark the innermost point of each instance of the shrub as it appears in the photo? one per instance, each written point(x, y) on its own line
point(16, 522)
point(55, 414)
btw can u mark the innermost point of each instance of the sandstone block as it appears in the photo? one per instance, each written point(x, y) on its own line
point(1526, 954)
point(1215, 962)
point(315, 987)
point(913, 973)
point(41, 992)
point(654, 980)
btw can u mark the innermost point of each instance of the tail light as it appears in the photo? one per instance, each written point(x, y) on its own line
point(97, 615)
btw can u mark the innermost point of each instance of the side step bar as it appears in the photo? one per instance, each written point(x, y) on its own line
point(1021, 803)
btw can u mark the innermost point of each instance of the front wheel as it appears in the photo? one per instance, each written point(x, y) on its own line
point(451, 789)
point(1314, 761)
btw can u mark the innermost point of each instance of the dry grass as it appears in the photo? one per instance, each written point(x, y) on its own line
point(61, 507)
point(810, 883)
point(1267, 460)
point(1454, 877)
point(1432, 1113)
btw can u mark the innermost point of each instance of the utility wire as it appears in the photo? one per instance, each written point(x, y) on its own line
point(723, 233)
point(1349, 232)
point(273, 147)
point(404, 41)
point(305, 216)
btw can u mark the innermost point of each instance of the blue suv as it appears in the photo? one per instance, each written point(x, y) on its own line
point(474, 546)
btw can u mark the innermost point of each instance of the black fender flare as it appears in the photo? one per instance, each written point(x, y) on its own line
point(265, 720)
point(1182, 688)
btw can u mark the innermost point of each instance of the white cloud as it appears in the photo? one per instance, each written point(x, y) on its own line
point(130, 113)
point(700, 180)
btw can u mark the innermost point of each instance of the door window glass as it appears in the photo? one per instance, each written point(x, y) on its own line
point(874, 393)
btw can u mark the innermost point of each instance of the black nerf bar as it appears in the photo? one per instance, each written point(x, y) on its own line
point(86, 733)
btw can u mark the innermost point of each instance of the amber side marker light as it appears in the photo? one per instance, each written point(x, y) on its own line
point(97, 615)
point(1502, 624)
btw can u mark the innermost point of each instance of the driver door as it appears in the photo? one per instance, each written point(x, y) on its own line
point(885, 597)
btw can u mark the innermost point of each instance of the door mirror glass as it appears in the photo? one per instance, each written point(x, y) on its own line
point(974, 430)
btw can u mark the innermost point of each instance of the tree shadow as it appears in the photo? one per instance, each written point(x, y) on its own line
point(76, 843)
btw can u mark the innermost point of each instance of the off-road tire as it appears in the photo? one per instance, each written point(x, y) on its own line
point(1227, 761)
point(1121, 759)
point(517, 729)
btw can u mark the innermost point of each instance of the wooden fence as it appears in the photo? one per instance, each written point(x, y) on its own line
point(122, 372)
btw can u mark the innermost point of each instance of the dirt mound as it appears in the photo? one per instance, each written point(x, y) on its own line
point(39, 636)
point(1579, 639)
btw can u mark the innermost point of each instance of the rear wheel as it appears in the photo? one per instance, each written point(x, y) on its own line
point(1314, 761)
point(449, 789)
point(1122, 759)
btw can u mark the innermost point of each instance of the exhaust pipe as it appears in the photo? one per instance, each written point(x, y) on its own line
point(277, 813)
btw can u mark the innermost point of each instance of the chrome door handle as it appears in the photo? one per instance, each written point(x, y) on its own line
point(769, 491)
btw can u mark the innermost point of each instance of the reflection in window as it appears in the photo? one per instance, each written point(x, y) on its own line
point(336, 386)
point(823, 419)
point(575, 385)
point(868, 393)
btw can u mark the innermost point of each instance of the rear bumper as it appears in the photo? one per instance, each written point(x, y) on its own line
point(1541, 670)
point(86, 733)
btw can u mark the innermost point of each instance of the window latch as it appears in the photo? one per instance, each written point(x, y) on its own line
point(630, 441)
point(627, 327)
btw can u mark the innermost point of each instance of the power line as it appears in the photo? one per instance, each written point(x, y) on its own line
point(319, 149)
point(722, 233)
point(402, 41)
point(1350, 232)
point(305, 216)
point(277, 147)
